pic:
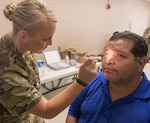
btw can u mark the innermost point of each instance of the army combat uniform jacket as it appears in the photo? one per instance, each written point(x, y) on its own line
point(19, 85)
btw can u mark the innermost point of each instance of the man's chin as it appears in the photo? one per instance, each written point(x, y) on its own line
point(109, 76)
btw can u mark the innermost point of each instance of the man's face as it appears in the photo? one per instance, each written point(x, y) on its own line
point(119, 64)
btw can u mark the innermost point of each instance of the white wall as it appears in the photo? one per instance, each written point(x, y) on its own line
point(86, 25)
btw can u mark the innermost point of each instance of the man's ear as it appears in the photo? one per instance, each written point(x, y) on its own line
point(23, 36)
point(141, 63)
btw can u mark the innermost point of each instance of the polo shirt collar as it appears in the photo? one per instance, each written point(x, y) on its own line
point(143, 90)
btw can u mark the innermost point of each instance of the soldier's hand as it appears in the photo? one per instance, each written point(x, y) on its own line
point(88, 70)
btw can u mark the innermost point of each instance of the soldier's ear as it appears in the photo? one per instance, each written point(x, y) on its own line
point(23, 36)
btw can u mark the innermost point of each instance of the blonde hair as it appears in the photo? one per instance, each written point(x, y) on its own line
point(28, 15)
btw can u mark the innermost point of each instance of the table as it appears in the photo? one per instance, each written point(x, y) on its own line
point(49, 75)
point(56, 77)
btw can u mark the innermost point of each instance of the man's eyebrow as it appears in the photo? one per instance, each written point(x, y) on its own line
point(120, 51)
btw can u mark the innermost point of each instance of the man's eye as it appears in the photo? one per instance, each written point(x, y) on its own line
point(120, 55)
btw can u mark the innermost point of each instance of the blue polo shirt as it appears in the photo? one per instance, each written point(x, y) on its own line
point(94, 105)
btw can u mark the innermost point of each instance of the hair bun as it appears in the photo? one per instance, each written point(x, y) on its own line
point(9, 10)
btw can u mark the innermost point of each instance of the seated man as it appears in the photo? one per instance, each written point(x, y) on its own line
point(121, 93)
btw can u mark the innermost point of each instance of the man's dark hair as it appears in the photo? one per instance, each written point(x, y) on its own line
point(140, 47)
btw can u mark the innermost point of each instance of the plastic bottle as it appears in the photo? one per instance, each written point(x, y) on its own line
point(67, 59)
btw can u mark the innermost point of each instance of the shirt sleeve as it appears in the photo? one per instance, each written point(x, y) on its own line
point(74, 109)
point(17, 95)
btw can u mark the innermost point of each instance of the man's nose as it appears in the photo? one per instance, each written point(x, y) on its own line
point(110, 58)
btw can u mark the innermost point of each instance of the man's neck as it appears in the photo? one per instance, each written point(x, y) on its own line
point(118, 91)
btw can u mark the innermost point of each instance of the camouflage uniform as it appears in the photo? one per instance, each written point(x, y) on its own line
point(146, 36)
point(19, 85)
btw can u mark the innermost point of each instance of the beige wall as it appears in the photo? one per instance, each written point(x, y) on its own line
point(86, 25)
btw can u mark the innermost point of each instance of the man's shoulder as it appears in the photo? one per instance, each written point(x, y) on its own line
point(100, 76)
point(99, 80)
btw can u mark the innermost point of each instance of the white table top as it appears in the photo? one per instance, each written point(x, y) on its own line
point(47, 74)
